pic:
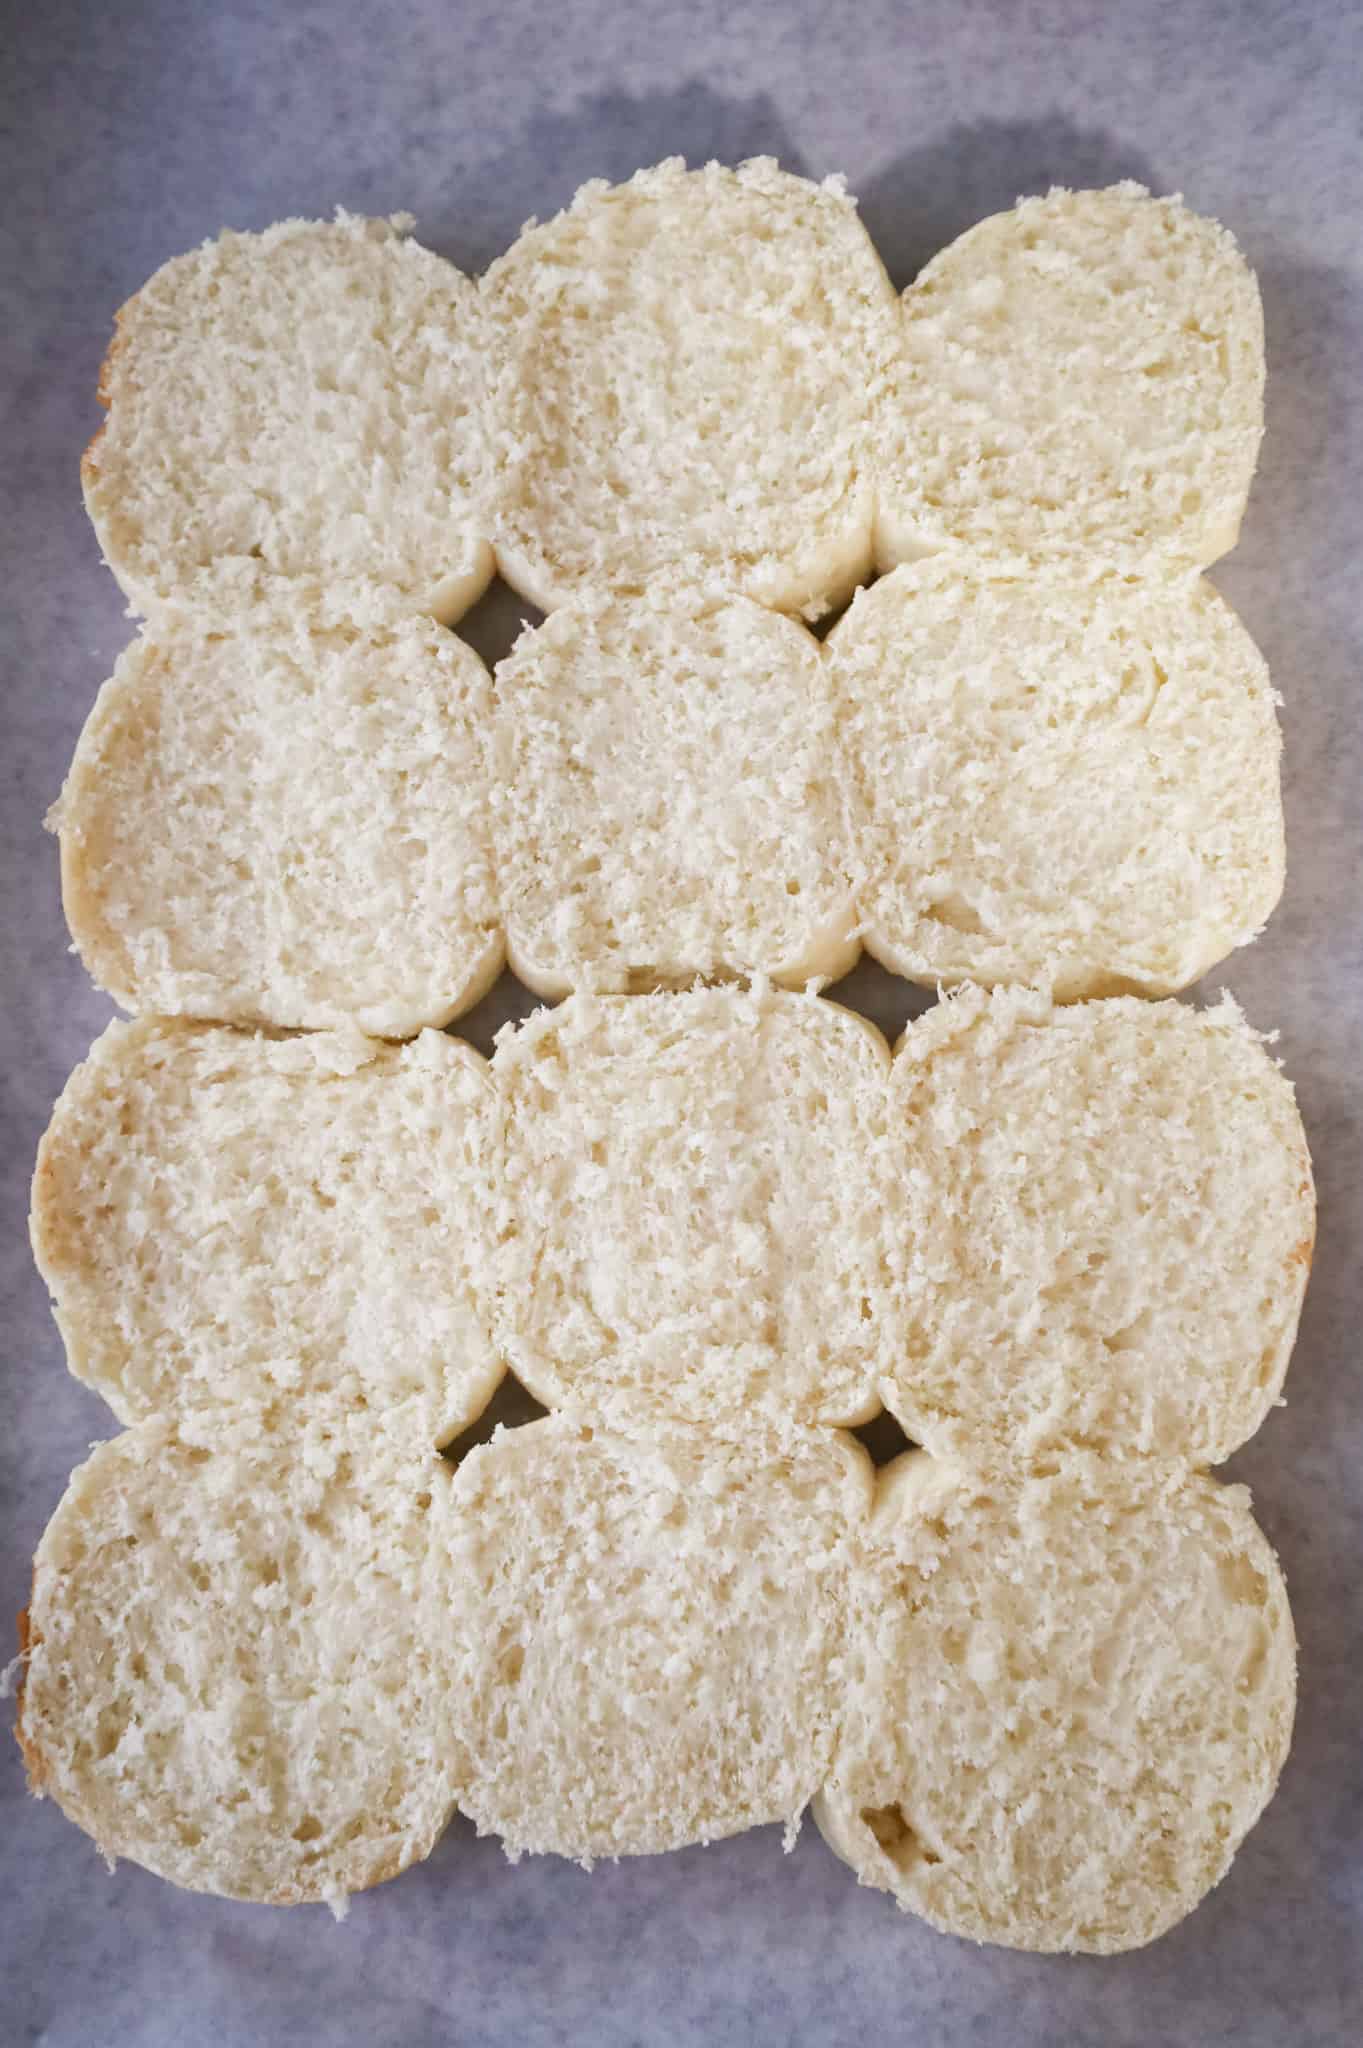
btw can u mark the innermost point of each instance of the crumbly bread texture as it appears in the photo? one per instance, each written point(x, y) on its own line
point(1107, 1219)
point(1081, 378)
point(645, 1632)
point(695, 1185)
point(668, 800)
point(1068, 1700)
point(242, 1231)
point(1058, 781)
point(283, 820)
point(302, 399)
point(233, 1668)
point(683, 369)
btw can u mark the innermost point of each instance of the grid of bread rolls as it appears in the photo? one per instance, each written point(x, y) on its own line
point(1035, 1676)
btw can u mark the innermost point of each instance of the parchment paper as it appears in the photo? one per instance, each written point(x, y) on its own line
point(133, 131)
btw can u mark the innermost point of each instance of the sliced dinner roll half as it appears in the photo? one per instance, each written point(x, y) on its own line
point(245, 1230)
point(1067, 1701)
point(282, 820)
point(1059, 782)
point(301, 399)
point(1081, 378)
point(695, 1183)
point(234, 1674)
point(682, 370)
point(669, 798)
point(1107, 1220)
point(644, 1632)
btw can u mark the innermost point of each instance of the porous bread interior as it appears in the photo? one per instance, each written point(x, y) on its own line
point(234, 1675)
point(242, 1231)
point(1107, 1222)
point(1079, 378)
point(700, 1742)
point(1058, 781)
point(668, 798)
point(303, 398)
point(284, 821)
point(644, 1632)
point(696, 1185)
point(682, 373)
point(1068, 1700)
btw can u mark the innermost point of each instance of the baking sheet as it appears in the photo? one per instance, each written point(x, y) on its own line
point(133, 132)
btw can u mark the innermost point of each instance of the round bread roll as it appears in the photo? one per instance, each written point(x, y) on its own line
point(1067, 1702)
point(695, 1185)
point(669, 799)
point(232, 1670)
point(1107, 1216)
point(1080, 378)
point(302, 399)
point(643, 1633)
point(237, 1228)
point(284, 821)
point(1062, 783)
point(682, 373)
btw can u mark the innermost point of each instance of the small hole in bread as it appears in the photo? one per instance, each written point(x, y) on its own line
point(896, 1836)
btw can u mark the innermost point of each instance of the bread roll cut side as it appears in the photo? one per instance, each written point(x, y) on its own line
point(681, 377)
point(233, 1671)
point(275, 820)
point(1105, 1222)
point(1079, 380)
point(669, 799)
point(644, 1630)
point(306, 400)
point(1061, 782)
point(1068, 1700)
point(243, 1231)
point(695, 1194)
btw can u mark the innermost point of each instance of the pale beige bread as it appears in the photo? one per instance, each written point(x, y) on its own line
point(242, 1229)
point(1081, 378)
point(682, 372)
point(1059, 781)
point(696, 1191)
point(1067, 1700)
point(1106, 1219)
point(281, 818)
point(303, 400)
point(644, 1632)
point(234, 1671)
point(669, 798)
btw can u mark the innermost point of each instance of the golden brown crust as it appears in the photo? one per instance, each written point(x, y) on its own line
point(34, 1764)
point(104, 385)
point(89, 462)
point(104, 391)
point(1305, 1252)
point(383, 1873)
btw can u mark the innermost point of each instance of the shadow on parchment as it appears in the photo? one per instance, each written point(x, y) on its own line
point(609, 135)
point(935, 191)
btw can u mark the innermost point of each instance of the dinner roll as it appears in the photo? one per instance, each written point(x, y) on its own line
point(696, 1191)
point(669, 798)
point(245, 1229)
point(1068, 1700)
point(234, 1673)
point(644, 1632)
point(1059, 782)
point(303, 400)
point(682, 372)
point(282, 819)
point(1080, 379)
point(1106, 1219)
